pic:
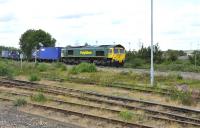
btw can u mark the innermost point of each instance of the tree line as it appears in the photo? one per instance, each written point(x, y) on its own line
point(34, 39)
point(143, 56)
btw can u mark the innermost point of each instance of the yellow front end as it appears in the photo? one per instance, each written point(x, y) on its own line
point(117, 55)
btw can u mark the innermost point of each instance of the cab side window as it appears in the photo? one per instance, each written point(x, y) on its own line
point(70, 52)
point(116, 51)
point(110, 51)
point(121, 50)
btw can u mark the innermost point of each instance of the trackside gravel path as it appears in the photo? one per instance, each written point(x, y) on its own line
point(186, 75)
point(10, 117)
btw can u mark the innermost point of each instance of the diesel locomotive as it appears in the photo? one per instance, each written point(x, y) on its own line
point(106, 55)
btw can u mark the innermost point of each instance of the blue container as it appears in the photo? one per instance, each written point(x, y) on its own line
point(14, 55)
point(49, 53)
point(34, 53)
point(5, 54)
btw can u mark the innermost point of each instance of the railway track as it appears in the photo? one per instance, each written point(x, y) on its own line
point(124, 86)
point(59, 101)
point(80, 114)
point(140, 88)
point(25, 83)
point(57, 91)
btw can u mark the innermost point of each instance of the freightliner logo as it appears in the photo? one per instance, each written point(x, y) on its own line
point(86, 52)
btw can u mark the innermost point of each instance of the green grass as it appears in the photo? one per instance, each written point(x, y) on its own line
point(20, 102)
point(42, 67)
point(5, 70)
point(183, 97)
point(88, 74)
point(34, 77)
point(83, 67)
point(178, 65)
point(61, 66)
point(126, 115)
point(39, 97)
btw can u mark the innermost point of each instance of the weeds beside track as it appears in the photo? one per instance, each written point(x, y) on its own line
point(112, 100)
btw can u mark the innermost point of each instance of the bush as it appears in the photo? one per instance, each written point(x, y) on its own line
point(61, 66)
point(42, 67)
point(20, 102)
point(5, 71)
point(83, 67)
point(126, 115)
point(34, 77)
point(179, 77)
point(39, 97)
point(184, 97)
point(134, 63)
point(36, 64)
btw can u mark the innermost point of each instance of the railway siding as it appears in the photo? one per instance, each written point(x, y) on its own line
point(111, 100)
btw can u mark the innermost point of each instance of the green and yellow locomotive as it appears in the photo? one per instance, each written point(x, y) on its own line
point(107, 55)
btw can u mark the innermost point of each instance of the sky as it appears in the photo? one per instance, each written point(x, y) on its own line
point(98, 22)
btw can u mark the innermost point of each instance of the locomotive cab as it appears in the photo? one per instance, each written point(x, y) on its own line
point(117, 54)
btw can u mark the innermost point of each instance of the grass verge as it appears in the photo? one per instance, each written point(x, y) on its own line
point(126, 115)
point(39, 97)
point(20, 102)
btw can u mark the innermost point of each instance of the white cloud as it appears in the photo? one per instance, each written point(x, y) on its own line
point(176, 23)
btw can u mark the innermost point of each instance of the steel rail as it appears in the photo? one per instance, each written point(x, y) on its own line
point(108, 109)
point(80, 114)
point(175, 116)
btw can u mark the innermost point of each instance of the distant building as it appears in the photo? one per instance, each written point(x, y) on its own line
point(189, 52)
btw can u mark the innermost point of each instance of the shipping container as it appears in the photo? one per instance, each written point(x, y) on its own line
point(14, 55)
point(5, 54)
point(49, 53)
point(10, 54)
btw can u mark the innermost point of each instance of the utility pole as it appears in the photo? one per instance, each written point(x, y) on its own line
point(196, 52)
point(35, 54)
point(152, 69)
point(195, 59)
point(21, 58)
point(129, 43)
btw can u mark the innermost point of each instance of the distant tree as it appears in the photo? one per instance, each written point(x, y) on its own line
point(195, 55)
point(31, 39)
point(86, 44)
point(143, 56)
point(172, 55)
point(7, 48)
point(130, 55)
point(145, 53)
point(158, 54)
point(181, 53)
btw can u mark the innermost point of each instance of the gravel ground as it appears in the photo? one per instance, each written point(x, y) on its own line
point(186, 75)
point(10, 117)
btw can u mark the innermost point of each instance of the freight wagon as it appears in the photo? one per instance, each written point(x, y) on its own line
point(100, 55)
point(10, 54)
point(48, 54)
point(5, 54)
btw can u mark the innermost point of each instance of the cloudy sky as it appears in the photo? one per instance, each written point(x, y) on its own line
point(74, 22)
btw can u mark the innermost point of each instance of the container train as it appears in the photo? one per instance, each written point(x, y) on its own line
point(10, 54)
point(106, 55)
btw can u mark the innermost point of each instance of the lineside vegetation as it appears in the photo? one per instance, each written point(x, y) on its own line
point(87, 73)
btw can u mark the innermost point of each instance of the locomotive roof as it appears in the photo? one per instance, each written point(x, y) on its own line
point(100, 46)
